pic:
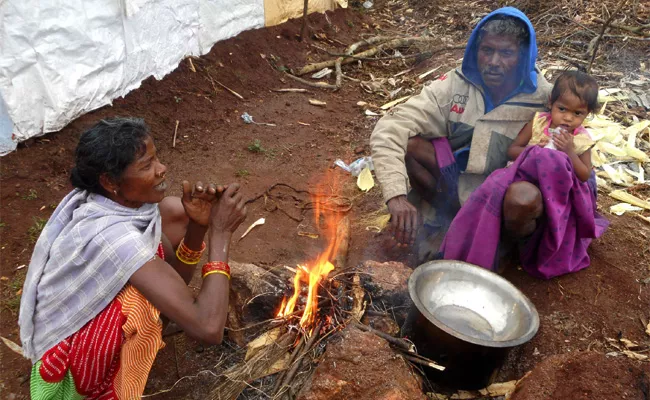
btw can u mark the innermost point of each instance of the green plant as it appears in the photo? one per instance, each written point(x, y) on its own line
point(32, 195)
point(178, 99)
point(11, 301)
point(35, 230)
point(242, 173)
point(3, 224)
point(256, 147)
point(12, 304)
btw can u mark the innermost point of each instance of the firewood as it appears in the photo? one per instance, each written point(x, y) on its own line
point(397, 342)
point(343, 237)
point(237, 378)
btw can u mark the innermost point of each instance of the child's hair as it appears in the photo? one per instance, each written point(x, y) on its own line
point(580, 84)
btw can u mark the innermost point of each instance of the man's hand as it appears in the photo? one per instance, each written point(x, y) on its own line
point(403, 221)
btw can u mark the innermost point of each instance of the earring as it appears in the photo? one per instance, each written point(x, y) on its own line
point(115, 192)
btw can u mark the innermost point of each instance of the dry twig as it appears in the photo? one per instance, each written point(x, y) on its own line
point(397, 342)
point(395, 43)
point(602, 32)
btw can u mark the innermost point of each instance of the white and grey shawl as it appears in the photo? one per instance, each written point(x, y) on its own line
point(85, 255)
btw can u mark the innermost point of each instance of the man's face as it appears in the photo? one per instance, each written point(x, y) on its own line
point(498, 57)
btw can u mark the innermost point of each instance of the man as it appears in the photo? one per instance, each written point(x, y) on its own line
point(475, 112)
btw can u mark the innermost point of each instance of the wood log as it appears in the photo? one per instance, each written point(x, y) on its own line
point(254, 296)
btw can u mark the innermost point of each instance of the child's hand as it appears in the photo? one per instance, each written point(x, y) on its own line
point(543, 141)
point(564, 142)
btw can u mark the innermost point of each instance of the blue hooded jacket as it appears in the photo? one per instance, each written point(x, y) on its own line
point(526, 70)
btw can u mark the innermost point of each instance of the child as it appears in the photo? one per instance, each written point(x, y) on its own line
point(574, 96)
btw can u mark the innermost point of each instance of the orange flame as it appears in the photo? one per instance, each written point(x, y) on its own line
point(313, 273)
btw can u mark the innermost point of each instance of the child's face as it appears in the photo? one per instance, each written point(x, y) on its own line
point(568, 112)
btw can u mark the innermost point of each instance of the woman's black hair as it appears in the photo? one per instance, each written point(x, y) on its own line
point(580, 84)
point(107, 148)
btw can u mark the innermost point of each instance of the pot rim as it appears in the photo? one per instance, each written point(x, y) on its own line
point(532, 331)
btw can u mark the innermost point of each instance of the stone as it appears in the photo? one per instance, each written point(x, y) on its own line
point(359, 149)
point(388, 277)
point(387, 286)
point(255, 295)
point(360, 365)
point(382, 323)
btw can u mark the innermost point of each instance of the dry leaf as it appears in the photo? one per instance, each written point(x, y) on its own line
point(309, 235)
point(611, 149)
point(647, 329)
point(499, 389)
point(634, 355)
point(260, 342)
point(365, 180)
point(622, 208)
point(315, 102)
point(322, 73)
point(628, 343)
point(12, 346)
point(628, 198)
point(260, 221)
point(395, 102)
point(636, 153)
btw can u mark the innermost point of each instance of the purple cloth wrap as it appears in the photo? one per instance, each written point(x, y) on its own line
point(569, 223)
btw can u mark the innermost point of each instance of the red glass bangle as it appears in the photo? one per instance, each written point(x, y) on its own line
point(215, 267)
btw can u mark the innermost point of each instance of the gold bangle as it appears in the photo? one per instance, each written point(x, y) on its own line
point(187, 261)
point(217, 272)
point(187, 256)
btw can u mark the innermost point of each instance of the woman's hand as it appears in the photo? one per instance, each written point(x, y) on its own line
point(229, 211)
point(564, 142)
point(198, 201)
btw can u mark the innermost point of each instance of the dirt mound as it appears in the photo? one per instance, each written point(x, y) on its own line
point(586, 375)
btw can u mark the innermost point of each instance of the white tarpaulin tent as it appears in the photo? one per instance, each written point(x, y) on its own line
point(60, 59)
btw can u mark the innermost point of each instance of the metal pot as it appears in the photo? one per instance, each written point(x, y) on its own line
point(467, 318)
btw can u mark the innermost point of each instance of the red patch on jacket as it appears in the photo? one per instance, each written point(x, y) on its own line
point(457, 109)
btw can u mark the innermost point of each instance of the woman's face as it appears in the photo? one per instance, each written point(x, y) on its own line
point(143, 181)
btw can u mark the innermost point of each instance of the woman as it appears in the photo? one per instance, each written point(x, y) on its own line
point(114, 256)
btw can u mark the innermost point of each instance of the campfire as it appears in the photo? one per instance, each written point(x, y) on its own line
point(324, 298)
point(312, 274)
